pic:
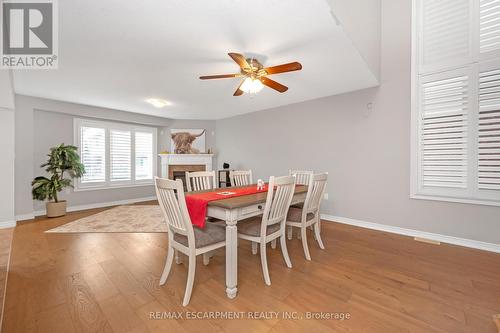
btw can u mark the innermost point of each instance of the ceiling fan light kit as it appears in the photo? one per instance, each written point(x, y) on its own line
point(255, 75)
point(251, 85)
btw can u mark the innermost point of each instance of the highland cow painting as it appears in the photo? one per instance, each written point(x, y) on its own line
point(187, 141)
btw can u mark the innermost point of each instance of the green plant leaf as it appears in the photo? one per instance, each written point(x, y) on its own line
point(62, 160)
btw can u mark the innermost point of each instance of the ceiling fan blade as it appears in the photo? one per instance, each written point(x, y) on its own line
point(222, 76)
point(290, 67)
point(239, 59)
point(238, 91)
point(273, 84)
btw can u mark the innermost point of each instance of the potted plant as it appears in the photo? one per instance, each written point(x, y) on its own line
point(63, 161)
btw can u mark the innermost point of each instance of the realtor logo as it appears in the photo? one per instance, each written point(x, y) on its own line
point(29, 34)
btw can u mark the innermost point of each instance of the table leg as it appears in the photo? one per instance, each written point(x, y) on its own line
point(231, 255)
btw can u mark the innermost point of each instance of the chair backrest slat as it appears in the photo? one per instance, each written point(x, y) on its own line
point(200, 181)
point(315, 191)
point(170, 194)
point(302, 177)
point(240, 177)
point(279, 197)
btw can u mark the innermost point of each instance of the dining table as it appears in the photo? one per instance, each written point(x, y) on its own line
point(234, 209)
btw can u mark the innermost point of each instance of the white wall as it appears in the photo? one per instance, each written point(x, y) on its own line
point(7, 148)
point(367, 153)
point(360, 20)
point(42, 124)
point(7, 168)
point(52, 129)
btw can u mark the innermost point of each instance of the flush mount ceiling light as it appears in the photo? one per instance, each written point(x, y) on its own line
point(158, 102)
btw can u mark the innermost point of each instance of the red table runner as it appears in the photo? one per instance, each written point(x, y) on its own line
point(197, 202)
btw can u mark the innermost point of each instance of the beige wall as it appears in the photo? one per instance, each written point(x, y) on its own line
point(367, 153)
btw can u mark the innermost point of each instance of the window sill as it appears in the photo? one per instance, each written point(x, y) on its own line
point(111, 187)
point(456, 200)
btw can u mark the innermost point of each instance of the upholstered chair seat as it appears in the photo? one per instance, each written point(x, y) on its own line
point(295, 215)
point(251, 226)
point(211, 234)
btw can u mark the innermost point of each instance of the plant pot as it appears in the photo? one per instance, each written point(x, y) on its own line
point(55, 209)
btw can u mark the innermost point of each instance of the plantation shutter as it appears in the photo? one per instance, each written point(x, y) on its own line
point(445, 33)
point(143, 155)
point(443, 131)
point(489, 130)
point(93, 154)
point(120, 155)
point(489, 25)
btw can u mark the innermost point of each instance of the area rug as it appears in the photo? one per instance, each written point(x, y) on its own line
point(132, 219)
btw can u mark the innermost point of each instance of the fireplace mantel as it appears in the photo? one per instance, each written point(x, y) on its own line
point(185, 159)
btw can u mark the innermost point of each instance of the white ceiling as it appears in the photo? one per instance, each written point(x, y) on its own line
point(117, 53)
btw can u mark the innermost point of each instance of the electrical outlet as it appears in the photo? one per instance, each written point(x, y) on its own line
point(325, 196)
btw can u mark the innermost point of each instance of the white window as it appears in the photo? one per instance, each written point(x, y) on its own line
point(114, 154)
point(93, 153)
point(456, 101)
point(120, 152)
point(143, 155)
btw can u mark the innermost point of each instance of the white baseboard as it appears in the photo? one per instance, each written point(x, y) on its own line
point(415, 233)
point(7, 224)
point(23, 217)
point(89, 206)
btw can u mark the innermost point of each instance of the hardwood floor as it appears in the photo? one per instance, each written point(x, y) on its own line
point(385, 282)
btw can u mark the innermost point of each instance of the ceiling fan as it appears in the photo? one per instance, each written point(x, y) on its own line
point(255, 75)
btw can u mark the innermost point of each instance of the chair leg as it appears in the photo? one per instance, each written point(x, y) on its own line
point(254, 248)
point(318, 236)
point(284, 251)
point(190, 279)
point(273, 244)
point(206, 259)
point(304, 242)
point(496, 319)
point(299, 235)
point(178, 259)
point(168, 266)
point(290, 232)
point(263, 261)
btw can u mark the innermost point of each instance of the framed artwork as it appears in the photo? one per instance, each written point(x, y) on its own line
point(187, 141)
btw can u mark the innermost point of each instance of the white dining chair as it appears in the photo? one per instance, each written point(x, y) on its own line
point(240, 177)
point(271, 224)
point(309, 215)
point(182, 236)
point(301, 176)
point(200, 180)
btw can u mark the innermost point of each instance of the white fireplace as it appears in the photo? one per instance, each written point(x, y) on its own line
point(172, 161)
